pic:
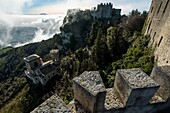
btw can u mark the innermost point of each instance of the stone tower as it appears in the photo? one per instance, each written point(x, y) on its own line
point(105, 10)
point(55, 56)
point(32, 62)
point(158, 25)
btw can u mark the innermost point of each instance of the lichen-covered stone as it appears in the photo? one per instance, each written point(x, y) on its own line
point(91, 81)
point(136, 78)
point(52, 105)
point(112, 100)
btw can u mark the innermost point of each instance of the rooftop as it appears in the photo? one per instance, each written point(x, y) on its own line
point(53, 105)
point(136, 78)
point(91, 81)
point(31, 57)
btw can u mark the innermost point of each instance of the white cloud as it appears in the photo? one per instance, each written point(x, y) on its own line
point(8, 7)
point(14, 6)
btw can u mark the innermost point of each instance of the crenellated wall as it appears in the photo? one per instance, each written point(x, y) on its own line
point(133, 92)
point(106, 10)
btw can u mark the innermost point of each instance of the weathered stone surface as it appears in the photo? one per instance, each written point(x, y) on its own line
point(136, 78)
point(158, 25)
point(162, 76)
point(90, 91)
point(76, 107)
point(91, 81)
point(134, 87)
point(112, 100)
point(52, 105)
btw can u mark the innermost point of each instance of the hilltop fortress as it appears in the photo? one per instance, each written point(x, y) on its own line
point(158, 25)
point(105, 10)
point(133, 91)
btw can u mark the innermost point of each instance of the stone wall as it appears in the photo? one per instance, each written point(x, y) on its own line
point(133, 92)
point(158, 25)
point(52, 105)
point(162, 76)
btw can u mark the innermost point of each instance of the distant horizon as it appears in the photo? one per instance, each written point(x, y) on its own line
point(35, 7)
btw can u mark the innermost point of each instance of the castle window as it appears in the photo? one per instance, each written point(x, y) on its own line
point(149, 25)
point(160, 41)
point(159, 8)
point(166, 6)
point(152, 9)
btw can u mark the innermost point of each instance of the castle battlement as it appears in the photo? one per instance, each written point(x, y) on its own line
point(106, 10)
point(133, 92)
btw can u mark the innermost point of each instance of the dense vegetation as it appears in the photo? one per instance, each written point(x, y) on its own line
point(108, 45)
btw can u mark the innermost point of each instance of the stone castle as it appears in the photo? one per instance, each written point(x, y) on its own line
point(39, 71)
point(103, 10)
point(133, 92)
point(158, 25)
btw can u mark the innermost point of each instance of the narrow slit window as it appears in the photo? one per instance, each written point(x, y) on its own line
point(152, 9)
point(149, 25)
point(160, 41)
point(159, 8)
point(166, 6)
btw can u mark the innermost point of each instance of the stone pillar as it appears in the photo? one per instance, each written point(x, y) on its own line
point(135, 87)
point(90, 91)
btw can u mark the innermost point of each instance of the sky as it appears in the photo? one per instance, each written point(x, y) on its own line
point(61, 6)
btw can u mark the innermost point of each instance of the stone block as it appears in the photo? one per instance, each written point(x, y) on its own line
point(161, 74)
point(134, 87)
point(90, 91)
point(52, 105)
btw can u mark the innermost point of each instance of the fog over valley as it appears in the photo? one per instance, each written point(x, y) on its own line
point(17, 30)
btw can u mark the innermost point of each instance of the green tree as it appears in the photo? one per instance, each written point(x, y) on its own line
point(100, 50)
point(116, 42)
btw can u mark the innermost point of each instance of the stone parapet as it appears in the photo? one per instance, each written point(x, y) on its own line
point(135, 87)
point(52, 105)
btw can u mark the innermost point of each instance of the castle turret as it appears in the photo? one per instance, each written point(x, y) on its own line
point(55, 56)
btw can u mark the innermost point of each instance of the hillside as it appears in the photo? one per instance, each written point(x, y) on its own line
point(107, 46)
